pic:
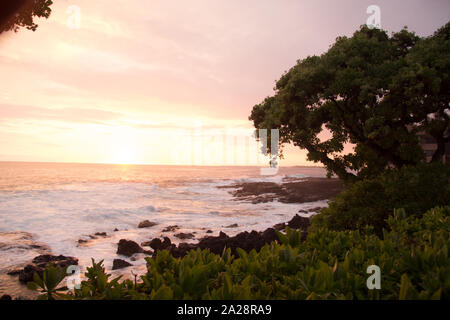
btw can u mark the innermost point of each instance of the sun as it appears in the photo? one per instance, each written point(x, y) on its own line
point(124, 155)
point(123, 146)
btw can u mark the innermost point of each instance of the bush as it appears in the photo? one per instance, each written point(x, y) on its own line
point(370, 202)
point(412, 256)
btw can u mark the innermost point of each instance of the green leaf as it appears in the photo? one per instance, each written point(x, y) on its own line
point(405, 286)
point(32, 285)
point(163, 293)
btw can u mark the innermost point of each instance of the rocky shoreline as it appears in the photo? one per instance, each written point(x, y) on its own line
point(247, 241)
point(299, 191)
point(38, 265)
point(306, 190)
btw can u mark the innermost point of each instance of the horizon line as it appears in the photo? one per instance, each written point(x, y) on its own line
point(153, 164)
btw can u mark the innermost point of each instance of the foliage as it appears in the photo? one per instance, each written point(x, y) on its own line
point(412, 255)
point(370, 90)
point(51, 278)
point(369, 202)
point(427, 83)
point(21, 13)
point(98, 286)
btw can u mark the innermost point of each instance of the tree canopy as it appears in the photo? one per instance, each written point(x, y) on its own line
point(371, 90)
point(15, 14)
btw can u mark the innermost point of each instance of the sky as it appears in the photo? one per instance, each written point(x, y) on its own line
point(167, 82)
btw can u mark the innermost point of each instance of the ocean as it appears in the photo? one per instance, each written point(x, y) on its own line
point(54, 205)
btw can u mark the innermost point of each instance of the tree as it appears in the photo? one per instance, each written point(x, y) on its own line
point(370, 90)
point(428, 80)
point(20, 13)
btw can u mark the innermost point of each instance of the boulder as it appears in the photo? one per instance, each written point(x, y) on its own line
point(27, 273)
point(184, 236)
point(186, 246)
point(170, 228)
point(120, 264)
point(182, 249)
point(214, 244)
point(146, 224)
point(234, 225)
point(269, 235)
point(223, 235)
point(60, 261)
point(128, 248)
point(157, 244)
point(299, 222)
point(246, 241)
point(40, 262)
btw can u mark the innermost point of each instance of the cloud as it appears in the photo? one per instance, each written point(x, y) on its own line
point(10, 112)
point(139, 66)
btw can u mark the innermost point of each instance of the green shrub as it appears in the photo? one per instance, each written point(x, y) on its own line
point(412, 256)
point(98, 286)
point(47, 285)
point(370, 202)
